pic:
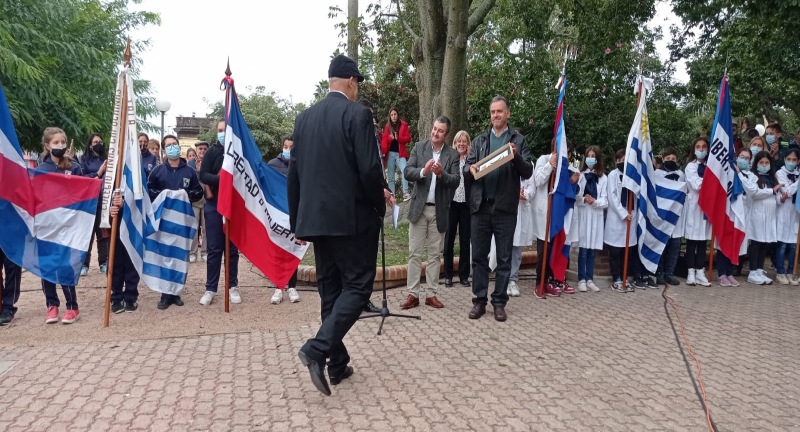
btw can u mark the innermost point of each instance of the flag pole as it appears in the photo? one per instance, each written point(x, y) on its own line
point(226, 225)
point(630, 209)
point(123, 125)
point(796, 253)
point(711, 257)
point(540, 291)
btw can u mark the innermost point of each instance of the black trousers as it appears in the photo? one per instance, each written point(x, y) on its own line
point(616, 260)
point(11, 285)
point(696, 254)
point(102, 242)
point(215, 236)
point(125, 280)
point(758, 254)
point(485, 223)
point(539, 263)
point(293, 280)
point(345, 277)
point(458, 220)
point(51, 296)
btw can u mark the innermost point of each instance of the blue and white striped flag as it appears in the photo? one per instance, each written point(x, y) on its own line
point(157, 235)
point(660, 199)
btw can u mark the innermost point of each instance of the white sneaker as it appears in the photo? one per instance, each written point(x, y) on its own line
point(277, 297)
point(754, 277)
point(294, 297)
point(793, 280)
point(513, 289)
point(700, 277)
point(582, 286)
point(206, 299)
point(205, 257)
point(690, 280)
point(234, 294)
point(763, 275)
point(590, 284)
point(782, 279)
point(192, 258)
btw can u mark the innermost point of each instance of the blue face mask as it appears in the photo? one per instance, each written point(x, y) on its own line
point(286, 154)
point(591, 162)
point(755, 150)
point(173, 151)
point(770, 139)
point(743, 164)
point(221, 137)
point(790, 165)
point(700, 154)
point(763, 169)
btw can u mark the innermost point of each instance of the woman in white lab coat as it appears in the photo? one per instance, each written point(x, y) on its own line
point(762, 218)
point(617, 224)
point(541, 181)
point(787, 218)
point(523, 233)
point(591, 202)
point(697, 230)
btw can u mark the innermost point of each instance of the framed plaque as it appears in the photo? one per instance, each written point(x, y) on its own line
point(495, 160)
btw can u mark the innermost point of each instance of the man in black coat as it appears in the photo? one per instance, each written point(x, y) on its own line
point(494, 201)
point(336, 200)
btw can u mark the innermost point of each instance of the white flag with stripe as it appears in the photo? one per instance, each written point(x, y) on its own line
point(660, 200)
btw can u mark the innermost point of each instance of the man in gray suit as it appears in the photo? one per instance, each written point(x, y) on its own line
point(433, 167)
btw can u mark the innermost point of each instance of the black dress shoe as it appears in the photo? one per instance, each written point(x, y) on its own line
point(448, 283)
point(465, 283)
point(176, 300)
point(478, 309)
point(317, 371)
point(336, 379)
point(370, 307)
point(500, 313)
point(164, 303)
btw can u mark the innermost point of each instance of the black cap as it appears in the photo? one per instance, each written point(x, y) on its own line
point(344, 67)
point(198, 144)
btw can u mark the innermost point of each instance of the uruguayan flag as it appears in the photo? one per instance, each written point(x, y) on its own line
point(660, 199)
point(157, 235)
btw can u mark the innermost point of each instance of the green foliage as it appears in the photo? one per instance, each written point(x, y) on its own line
point(59, 61)
point(267, 115)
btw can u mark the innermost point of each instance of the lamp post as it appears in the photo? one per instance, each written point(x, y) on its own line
point(163, 106)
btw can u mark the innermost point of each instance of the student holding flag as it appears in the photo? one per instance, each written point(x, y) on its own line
point(697, 229)
point(669, 259)
point(174, 174)
point(617, 225)
point(787, 176)
point(93, 162)
point(592, 201)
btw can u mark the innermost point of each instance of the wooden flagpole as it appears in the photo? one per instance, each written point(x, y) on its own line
point(630, 207)
point(227, 223)
point(123, 126)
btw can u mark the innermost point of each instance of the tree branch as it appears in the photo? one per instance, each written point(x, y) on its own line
point(405, 24)
point(478, 15)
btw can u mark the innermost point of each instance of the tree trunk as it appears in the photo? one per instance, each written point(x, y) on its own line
point(352, 30)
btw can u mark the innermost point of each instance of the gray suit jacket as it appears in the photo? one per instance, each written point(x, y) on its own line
point(446, 184)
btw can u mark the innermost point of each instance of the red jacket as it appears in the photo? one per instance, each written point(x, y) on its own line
point(402, 139)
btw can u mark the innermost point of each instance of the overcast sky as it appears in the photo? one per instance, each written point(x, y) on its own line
point(283, 46)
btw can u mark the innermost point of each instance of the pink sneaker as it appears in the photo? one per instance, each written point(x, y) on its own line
point(732, 281)
point(52, 315)
point(70, 317)
point(724, 282)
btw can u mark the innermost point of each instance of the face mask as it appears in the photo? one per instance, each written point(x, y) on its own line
point(591, 162)
point(743, 164)
point(670, 165)
point(791, 165)
point(763, 169)
point(98, 148)
point(221, 137)
point(700, 154)
point(286, 154)
point(621, 166)
point(58, 152)
point(755, 150)
point(173, 151)
point(770, 139)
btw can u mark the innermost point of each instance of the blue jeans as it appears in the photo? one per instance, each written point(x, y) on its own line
point(394, 157)
point(781, 255)
point(585, 264)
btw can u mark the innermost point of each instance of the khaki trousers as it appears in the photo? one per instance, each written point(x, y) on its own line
point(423, 234)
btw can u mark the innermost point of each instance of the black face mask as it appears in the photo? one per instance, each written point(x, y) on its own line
point(670, 165)
point(98, 148)
point(59, 152)
point(621, 166)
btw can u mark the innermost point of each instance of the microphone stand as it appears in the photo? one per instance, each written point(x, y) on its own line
point(384, 313)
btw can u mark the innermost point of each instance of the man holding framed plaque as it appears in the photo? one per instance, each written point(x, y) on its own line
point(496, 162)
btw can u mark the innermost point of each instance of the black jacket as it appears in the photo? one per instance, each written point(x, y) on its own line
point(165, 177)
point(335, 182)
point(209, 169)
point(280, 164)
point(507, 197)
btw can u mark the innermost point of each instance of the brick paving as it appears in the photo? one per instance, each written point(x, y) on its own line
point(604, 361)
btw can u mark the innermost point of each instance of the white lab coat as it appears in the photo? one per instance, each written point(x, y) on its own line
point(616, 223)
point(523, 234)
point(541, 181)
point(748, 180)
point(762, 218)
point(679, 227)
point(591, 218)
point(787, 214)
point(696, 227)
